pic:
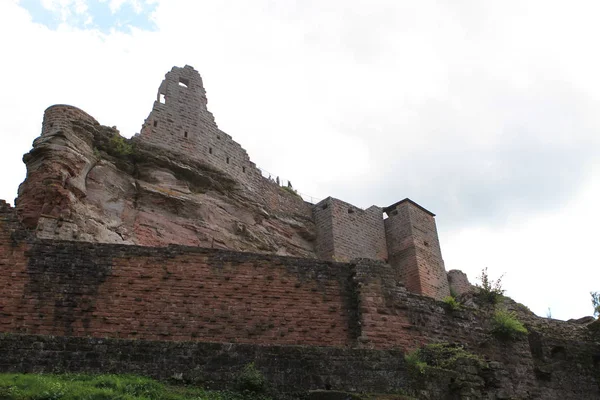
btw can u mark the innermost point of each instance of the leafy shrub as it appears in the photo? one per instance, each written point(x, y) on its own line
point(120, 145)
point(440, 355)
point(596, 302)
point(414, 363)
point(251, 379)
point(447, 356)
point(451, 303)
point(489, 291)
point(505, 325)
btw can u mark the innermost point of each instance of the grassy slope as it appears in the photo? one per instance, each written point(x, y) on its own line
point(104, 387)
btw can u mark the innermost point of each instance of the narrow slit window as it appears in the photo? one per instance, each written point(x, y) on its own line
point(210, 150)
point(155, 124)
point(227, 159)
point(244, 169)
point(184, 82)
point(162, 99)
point(350, 211)
point(185, 134)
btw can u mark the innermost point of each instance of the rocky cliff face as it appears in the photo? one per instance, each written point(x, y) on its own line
point(85, 182)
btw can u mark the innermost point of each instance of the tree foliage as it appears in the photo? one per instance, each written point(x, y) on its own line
point(596, 303)
point(489, 290)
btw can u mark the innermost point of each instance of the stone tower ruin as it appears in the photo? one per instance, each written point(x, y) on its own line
point(406, 238)
point(180, 121)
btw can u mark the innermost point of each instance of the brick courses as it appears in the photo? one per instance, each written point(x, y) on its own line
point(188, 296)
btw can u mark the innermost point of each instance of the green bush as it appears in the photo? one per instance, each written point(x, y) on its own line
point(251, 379)
point(505, 325)
point(489, 291)
point(451, 303)
point(414, 363)
point(440, 355)
point(447, 356)
point(120, 145)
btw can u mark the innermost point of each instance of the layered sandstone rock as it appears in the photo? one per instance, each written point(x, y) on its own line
point(85, 182)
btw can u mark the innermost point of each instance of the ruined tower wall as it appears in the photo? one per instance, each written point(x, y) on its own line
point(60, 116)
point(181, 122)
point(347, 232)
point(324, 244)
point(414, 249)
point(459, 283)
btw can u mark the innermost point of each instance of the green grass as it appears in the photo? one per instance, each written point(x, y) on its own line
point(440, 355)
point(505, 325)
point(451, 303)
point(105, 387)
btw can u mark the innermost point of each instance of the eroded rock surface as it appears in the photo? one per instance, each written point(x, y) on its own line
point(85, 182)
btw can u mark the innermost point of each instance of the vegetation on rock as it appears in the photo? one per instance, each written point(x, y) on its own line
point(251, 380)
point(490, 291)
point(451, 303)
point(290, 190)
point(505, 325)
point(440, 355)
point(120, 145)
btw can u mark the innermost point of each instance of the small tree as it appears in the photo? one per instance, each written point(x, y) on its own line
point(596, 303)
point(489, 290)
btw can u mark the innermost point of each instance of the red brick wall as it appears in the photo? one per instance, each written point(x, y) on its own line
point(175, 293)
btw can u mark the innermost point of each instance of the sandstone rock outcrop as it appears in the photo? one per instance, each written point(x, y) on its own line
point(85, 182)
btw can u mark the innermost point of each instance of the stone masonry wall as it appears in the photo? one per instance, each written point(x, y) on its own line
point(459, 283)
point(181, 123)
point(414, 249)
point(557, 360)
point(286, 368)
point(348, 232)
point(191, 295)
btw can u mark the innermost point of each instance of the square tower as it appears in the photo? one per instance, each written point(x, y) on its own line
point(414, 248)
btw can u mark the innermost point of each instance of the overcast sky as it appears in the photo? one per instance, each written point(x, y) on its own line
point(484, 112)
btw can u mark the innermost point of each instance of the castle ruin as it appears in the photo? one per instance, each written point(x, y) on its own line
point(407, 238)
point(170, 255)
